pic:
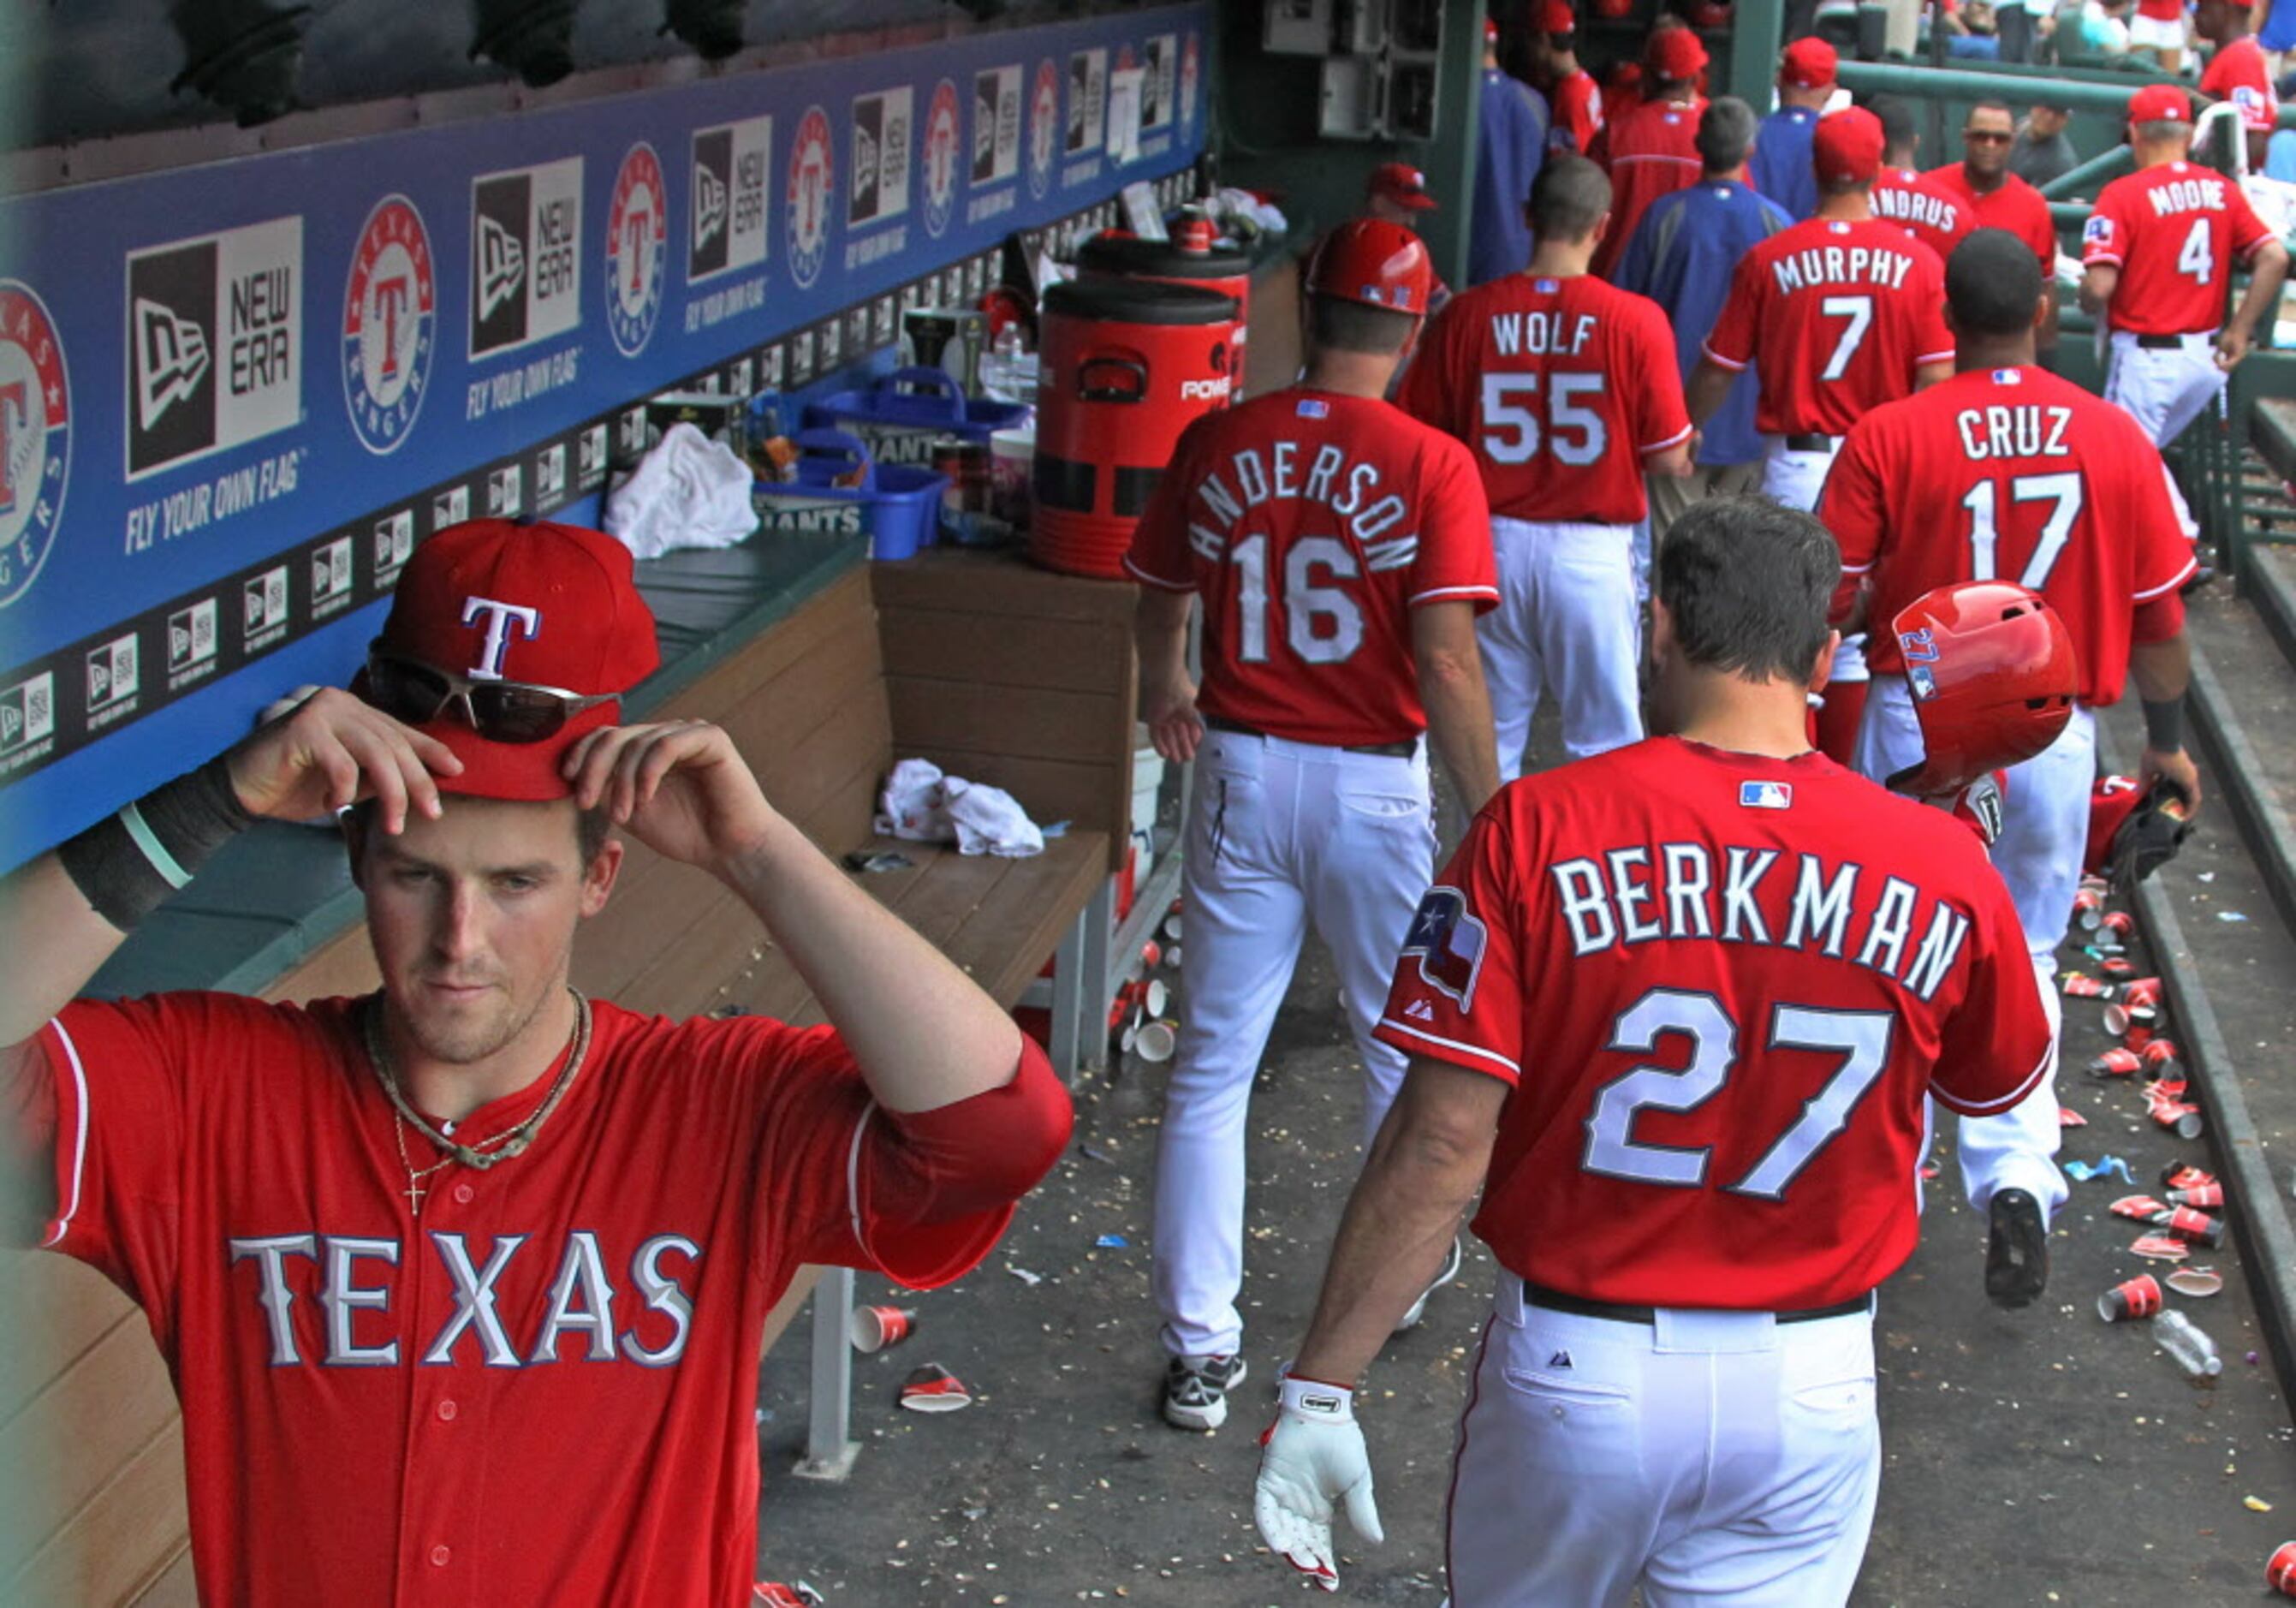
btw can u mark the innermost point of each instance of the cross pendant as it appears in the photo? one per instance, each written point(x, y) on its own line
point(413, 1192)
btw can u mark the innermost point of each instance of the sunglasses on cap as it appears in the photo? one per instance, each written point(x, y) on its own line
point(501, 711)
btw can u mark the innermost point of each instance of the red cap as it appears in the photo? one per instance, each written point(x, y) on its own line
point(1808, 64)
point(1491, 30)
point(1402, 183)
point(549, 605)
point(1676, 53)
point(1846, 146)
point(2159, 103)
point(1374, 262)
point(1993, 674)
point(1556, 18)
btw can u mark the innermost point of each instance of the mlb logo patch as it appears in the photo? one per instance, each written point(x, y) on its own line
point(1546, 287)
point(1449, 943)
point(1766, 795)
point(2008, 376)
point(1314, 407)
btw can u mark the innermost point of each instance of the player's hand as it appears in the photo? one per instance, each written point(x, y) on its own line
point(680, 787)
point(329, 750)
point(1312, 1453)
point(2232, 346)
point(2176, 767)
point(1174, 727)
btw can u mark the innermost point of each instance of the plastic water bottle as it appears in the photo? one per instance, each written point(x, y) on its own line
point(2193, 1351)
point(1008, 373)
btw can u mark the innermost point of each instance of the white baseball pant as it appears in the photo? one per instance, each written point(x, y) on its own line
point(2164, 389)
point(1720, 1459)
point(1567, 621)
point(1795, 478)
point(1280, 834)
point(2043, 832)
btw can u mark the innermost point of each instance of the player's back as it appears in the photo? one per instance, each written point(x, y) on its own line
point(1558, 386)
point(1737, 977)
point(2011, 474)
point(1309, 523)
point(1842, 314)
point(2174, 231)
point(1935, 216)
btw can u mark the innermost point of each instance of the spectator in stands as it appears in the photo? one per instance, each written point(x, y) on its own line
point(2024, 27)
point(2158, 30)
point(1969, 26)
point(2275, 31)
point(2042, 152)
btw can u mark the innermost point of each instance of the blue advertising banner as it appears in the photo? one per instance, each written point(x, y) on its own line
point(234, 397)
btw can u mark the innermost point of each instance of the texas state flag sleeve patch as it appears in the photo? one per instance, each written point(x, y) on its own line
point(1448, 944)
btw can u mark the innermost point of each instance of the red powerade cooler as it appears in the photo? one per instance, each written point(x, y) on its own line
point(1192, 256)
point(1126, 366)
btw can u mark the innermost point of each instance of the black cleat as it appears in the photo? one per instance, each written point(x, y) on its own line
point(2016, 1250)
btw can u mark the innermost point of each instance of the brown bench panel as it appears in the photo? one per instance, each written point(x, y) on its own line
point(126, 1536)
point(1057, 654)
point(61, 1310)
point(174, 1589)
point(1020, 922)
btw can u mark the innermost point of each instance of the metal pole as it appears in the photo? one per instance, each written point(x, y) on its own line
point(2097, 170)
point(1756, 28)
point(1937, 64)
point(1960, 84)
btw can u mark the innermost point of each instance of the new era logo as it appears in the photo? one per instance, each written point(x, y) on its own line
point(709, 193)
point(192, 635)
point(501, 266)
point(28, 712)
point(174, 360)
point(1766, 795)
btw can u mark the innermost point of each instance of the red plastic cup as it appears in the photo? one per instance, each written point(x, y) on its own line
point(2120, 923)
point(2143, 991)
point(2080, 985)
point(2117, 967)
point(2280, 1573)
point(2208, 1195)
point(2184, 1174)
point(2160, 1058)
point(2195, 1227)
point(2139, 1297)
point(2088, 910)
point(2115, 1063)
point(875, 1328)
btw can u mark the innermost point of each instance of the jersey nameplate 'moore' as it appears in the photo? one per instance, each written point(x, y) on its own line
point(2186, 195)
point(1644, 893)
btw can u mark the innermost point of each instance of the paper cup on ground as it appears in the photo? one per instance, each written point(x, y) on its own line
point(2280, 1573)
point(1172, 958)
point(2140, 1297)
point(933, 1389)
point(2196, 1282)
point(1154, 1042)
point(1172, 926)
point(1158, 996)
point(874, 1328)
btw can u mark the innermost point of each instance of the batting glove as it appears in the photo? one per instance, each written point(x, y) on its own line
point(1312, 1453)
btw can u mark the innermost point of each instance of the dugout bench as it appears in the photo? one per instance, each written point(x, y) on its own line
point(824, 668)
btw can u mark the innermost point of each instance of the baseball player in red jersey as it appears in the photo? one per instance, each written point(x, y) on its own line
point(1653, 149)
point(462, 1285)
point(1845, 312)
point(1342, 552)
point(1995, 198)
point(2006, 471)
point(1566, 389)
point(2237, 72)
point(1672, 1012)
point(1574, 98)
point(1902, 196)
point(2159, 251)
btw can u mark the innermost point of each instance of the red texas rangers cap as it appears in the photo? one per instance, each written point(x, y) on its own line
point(1402, 183)
point(1491, 30)
point(2159, 103)
point(1675, 53)
point(1808, 64)
point(498, 608)
point(1555, 18)
point(1846, 146)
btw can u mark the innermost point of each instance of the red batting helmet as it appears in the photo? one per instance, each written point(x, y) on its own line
point(1993, 674)
point(1374, 262)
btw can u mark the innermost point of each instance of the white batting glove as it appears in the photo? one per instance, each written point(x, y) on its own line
point(1312, 1453)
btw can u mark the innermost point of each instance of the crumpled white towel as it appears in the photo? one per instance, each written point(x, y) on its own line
point(689, 491)
point(924, 804)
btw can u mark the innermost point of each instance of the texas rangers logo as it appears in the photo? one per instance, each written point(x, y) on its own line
point(1449, 943)
point(389, 325)
point(35, 437)
point(2097, 231)
point(1190, 73)
point(638, 250)
point(812, 177)
point(940, 157)
point(1044, 126)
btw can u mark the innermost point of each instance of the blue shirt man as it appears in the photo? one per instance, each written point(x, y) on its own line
point(1780, 167)
point(1682, 257)
point(1513, 146)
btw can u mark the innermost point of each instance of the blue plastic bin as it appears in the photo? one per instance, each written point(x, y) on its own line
point(897, 506)
point(901, 417)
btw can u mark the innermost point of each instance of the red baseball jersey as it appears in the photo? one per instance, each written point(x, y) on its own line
point(2161, 11)
point(2173, 230)
point(1311, 524)
point(1936, 217)
point(2009, 474)
point(2238, 73)
point(1843, 313)
point(1561, 386)
point(1578, 103)
point(2016, 206)
point(536, 1391)
point(1651, 151)
point(1719, 986)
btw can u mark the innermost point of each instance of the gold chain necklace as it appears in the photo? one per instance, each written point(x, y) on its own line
point(487, 1151)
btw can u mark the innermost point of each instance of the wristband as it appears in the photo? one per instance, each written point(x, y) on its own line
point(2164, 724)
point(1313, 1398)
point(127, 864)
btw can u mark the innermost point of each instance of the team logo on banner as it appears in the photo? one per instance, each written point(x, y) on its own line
point(729, 198)
point(638, 250)
point(526, 257)
point(941, 135)
point(35, 437)
point(389, 325)
point(1191, 71)
point(215, 344)
point(812, 180)
point(1044, 127)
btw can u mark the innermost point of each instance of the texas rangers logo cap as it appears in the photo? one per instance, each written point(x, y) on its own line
point(2159, 103)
